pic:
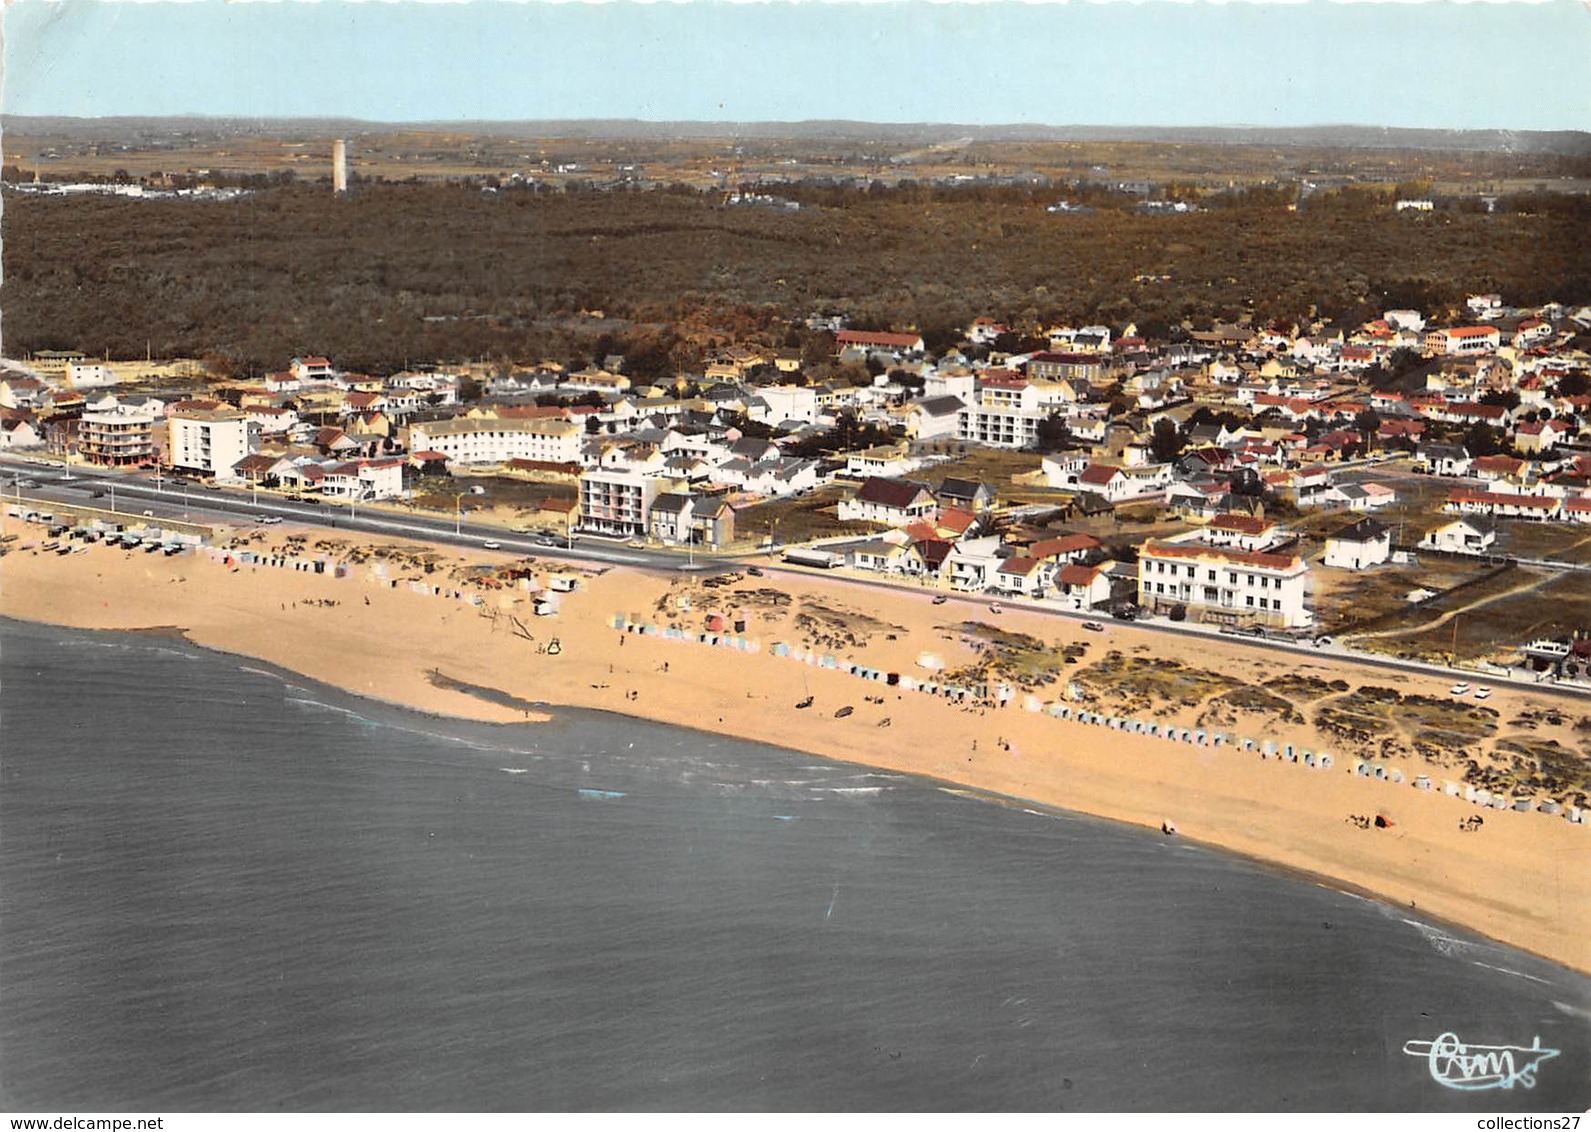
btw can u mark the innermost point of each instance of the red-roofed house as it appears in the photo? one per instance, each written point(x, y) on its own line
point(1083, 587)
point(1065, 548)
point(1463, 340)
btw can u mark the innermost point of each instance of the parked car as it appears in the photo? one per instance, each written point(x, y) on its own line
point(940, 599)
point(1483, 693)
point(754, 571)
point(1459, 690)
point(490, 544)
point(1322, 641)
point(1094, 626)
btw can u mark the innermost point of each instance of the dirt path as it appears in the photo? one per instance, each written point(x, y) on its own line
point(1534, 584)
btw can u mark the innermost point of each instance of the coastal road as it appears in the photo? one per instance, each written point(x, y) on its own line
point(136, 495)
point(141, 496)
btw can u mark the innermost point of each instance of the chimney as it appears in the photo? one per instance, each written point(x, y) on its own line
point(339, 166)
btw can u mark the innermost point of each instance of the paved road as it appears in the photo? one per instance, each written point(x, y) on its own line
point(134, 496)
point(138, 494)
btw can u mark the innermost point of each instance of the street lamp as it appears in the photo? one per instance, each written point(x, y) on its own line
point(458, 514)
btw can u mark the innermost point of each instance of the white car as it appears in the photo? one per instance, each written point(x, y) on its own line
point(1483, 693)
point(1459, 689)
point(490, 545)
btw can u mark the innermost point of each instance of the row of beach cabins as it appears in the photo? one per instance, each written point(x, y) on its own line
point(1002, 695)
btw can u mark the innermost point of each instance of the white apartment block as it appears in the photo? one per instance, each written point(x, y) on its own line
point(1006, 412)
point(208, 440)
point(1232, 587)
point(490, 440)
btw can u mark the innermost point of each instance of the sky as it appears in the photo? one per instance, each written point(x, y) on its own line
point(1437, 64)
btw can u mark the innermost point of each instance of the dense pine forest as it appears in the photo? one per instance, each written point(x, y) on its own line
point(396, 273)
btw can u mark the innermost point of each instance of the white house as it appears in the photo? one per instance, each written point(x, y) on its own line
point(1471, 534)
point(365, 479)
point(1366, 543)
point(788, 403)
point(933, 418)
point(896, 502)
point(1083, 587)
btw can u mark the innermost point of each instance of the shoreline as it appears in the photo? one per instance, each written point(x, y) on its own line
point(948, 786)
point(1524, 881)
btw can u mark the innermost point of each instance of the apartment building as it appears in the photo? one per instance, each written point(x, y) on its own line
point(495, 440)
point(1224, 585)
point(615, 501)
point(208, 437)
point(118, 436)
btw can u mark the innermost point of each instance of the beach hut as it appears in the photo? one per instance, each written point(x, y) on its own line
point(1324, 761)
point(1199, 738)
point(715, 623)
point(1574, 814)
point(1030, 702)
point(1422, 782)
point(1524, 805)
point(1551, 808)
point(1451, 788)
point(1499, 802)
point(1395, 776)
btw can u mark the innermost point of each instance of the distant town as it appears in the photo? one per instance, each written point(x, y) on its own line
point(1281, 479)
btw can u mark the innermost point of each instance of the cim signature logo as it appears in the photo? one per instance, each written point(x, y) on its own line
point(1455, 1065)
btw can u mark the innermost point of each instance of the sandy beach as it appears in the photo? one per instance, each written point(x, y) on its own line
point(382, 630)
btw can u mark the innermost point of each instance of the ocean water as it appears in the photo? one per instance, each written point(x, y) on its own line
point(225, 888)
